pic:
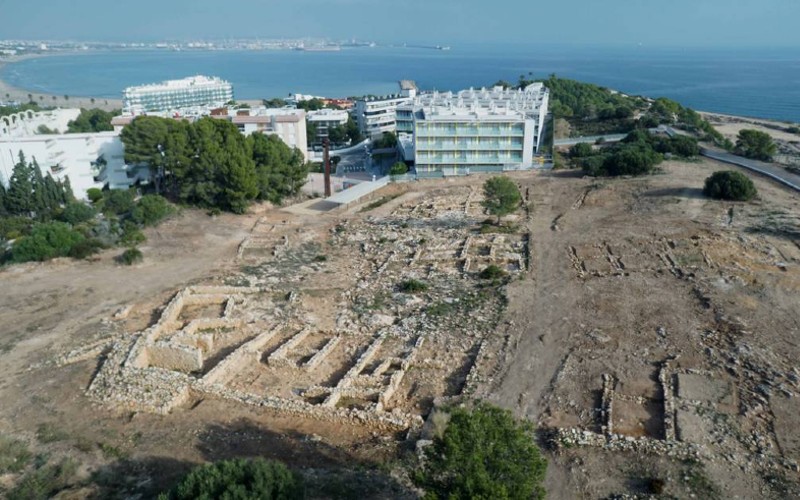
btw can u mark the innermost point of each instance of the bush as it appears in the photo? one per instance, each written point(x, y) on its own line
point(94, 194)
point(86, 248)
point(580, 150)
point(118, 201)
point(77, 212)
point(151, 209)
point(755, 144)
point(14, 455)
point(492, 272)
point(46, 241)
point(398, 168)
point(412, 286)
point(238, 478)
point(12, 228)
point(45, 481)
point(483, 453)
point(131, 256)
point(131, 235)
point(729, 185)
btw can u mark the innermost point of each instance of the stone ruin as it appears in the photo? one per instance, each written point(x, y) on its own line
point(384, 360)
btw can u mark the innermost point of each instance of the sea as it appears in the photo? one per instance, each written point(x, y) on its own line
point(762, 83)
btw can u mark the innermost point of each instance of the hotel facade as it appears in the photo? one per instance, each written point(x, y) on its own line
point(195, 91)
point(474, 129)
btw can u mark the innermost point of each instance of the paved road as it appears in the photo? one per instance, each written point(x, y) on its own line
point(776, 173)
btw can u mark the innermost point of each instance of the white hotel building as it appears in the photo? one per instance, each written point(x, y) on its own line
point(485, 128)
point(195, 91)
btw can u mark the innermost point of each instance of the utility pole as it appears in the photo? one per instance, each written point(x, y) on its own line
point(326, 158)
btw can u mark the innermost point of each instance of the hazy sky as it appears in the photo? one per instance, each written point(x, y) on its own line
point(608, 22)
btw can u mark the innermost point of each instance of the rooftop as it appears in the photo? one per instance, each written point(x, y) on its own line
point(192, 81)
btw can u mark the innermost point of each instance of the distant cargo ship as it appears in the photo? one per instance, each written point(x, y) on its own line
point(441, 47)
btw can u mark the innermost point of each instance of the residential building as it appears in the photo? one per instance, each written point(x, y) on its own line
point(324, 119)
point(287, 123)
point(93, 160)
point(174, 95)
point(479, 129)
point(27, 123)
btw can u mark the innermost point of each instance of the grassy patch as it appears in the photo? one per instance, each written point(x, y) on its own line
point(49, 433)
point(440, 309)
point(491, 228)
point(321, 258)
point(45, 481)
point(412, 286)
point(14, 455)
point(492, 272)
point(380, 201)
point(111, 451)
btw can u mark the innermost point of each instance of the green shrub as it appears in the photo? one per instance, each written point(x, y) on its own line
point(492, 272)
point(14, 455)
point(239, 478)
point(46, 241)
point(13, 227)
point(729, 185)
point(755, 144)
point(86, 248)
point(412, 286)
point(118, 201)
point(94, 194)
point(131, 256)
point(151, 209)
point(131, 235)
point(501, 196)
point(483, 453)
point(398, 168)
point(49, 433)
point(581, 150)
point(45, 481)
point(77, 212)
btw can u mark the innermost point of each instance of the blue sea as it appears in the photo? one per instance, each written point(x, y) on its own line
point(761, 83)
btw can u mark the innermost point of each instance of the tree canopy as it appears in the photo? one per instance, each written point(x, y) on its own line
point(92, 120)
point(637, 154)
point(501, 196)
point(238, 479)
point(483, 454)
point(755, 144)
point(729, 185)
point(209, 163)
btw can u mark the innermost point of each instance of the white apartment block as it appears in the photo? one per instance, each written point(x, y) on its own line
point(174, 95)
point(324, 119)
point(89, 160)
point(27, 123)
point(485, 128)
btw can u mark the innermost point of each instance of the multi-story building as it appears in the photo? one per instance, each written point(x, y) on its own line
point(287, 123)
point(486, 128)
point(94, 160)
point(324, 119)
point(177, 94)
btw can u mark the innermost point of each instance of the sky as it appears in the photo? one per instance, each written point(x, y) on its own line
point(665, 23)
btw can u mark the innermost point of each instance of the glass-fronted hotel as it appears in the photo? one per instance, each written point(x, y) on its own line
point(485, 128)
point(177, 94)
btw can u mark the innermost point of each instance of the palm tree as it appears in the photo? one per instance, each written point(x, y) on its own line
point(92, 99)
point(66, 97)
point(30, 97)
point(41, 98)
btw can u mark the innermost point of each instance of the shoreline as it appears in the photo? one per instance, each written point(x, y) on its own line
point(9, 92)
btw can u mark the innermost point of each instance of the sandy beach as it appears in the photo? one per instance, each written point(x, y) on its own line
point(11, 93)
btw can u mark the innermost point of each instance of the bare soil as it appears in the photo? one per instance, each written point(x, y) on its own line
point(623, 275)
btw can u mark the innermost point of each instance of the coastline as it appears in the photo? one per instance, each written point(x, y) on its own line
point(9, 92)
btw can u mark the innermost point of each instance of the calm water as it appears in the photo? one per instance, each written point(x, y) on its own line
point(764, 83)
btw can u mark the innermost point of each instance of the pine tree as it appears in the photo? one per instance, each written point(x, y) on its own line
point(68, 195)
point(19, 200)
point(52, 191)
point(3, 196)
point(39, 199)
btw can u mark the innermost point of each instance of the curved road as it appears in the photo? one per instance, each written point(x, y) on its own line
point(774, 172)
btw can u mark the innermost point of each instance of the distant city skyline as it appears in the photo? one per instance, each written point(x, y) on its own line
point(688, 23)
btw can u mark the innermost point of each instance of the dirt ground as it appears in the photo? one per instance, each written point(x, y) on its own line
point(625, 277)
point(788, 143)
